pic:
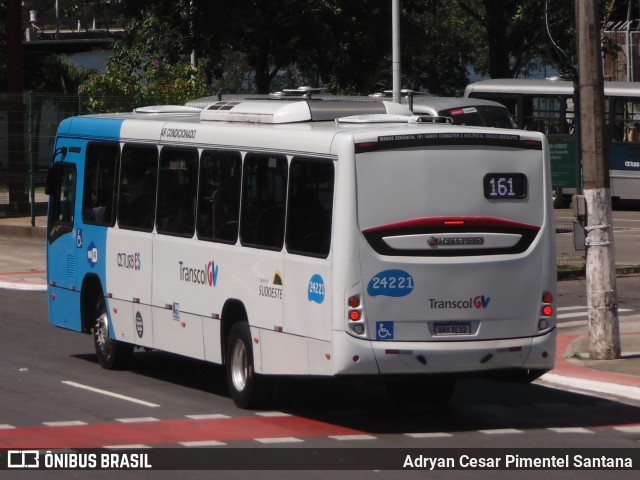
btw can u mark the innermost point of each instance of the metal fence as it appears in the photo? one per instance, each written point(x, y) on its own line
point(27, 131)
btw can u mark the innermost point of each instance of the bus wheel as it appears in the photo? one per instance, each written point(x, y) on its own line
point(422, 390)
point(112, 354)
point(247, 389)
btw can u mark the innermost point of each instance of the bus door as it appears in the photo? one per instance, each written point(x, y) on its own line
point(308, 239)
point(64, 236)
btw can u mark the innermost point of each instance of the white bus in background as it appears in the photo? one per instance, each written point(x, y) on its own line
point(548, 106)
point(306, 238)
point(464, 111)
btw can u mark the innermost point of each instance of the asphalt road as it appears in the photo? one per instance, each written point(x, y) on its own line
point(54, 394)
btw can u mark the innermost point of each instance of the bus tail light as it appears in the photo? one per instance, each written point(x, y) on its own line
point(546, 311)
point(355, 315)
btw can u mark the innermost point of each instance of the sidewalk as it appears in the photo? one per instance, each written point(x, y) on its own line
point(23, 266)
point(23, 254)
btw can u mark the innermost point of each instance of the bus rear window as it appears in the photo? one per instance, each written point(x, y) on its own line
point(480, 116)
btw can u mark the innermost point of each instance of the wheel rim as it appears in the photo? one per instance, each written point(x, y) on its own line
point(239, 367)
point(103, 342)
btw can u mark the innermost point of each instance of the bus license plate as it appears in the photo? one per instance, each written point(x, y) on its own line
point(505, 186)
point(452, 328)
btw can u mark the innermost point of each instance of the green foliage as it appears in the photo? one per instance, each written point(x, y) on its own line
point(249, 46)
point(132, 80)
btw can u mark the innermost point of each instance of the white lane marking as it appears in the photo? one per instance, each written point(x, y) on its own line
point(352, 437)
point(6, 427)
point(273, 414)
point(133, 446)
point(137, 420)
point(278, 440)
point(501, 431)
point(577, 307)
point(208, 416)
point(429, 435)
point(570, 430)
point(202, 443)
point(628, 428)
point(70, 423)
point(110, 394)
point(585, 312)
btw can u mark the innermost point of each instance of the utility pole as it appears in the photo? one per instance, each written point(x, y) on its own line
point(602, 298)
point(395, 49)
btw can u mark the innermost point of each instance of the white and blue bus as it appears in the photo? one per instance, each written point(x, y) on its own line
point(305, 238)
point(548, 106)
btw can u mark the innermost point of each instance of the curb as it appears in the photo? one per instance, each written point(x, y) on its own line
point(580, 379)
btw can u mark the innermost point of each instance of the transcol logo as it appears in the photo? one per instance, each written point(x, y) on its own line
point(204, 276)
point(479, 302)
point(212, 273)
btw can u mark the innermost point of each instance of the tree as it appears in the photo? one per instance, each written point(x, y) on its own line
point(439, 43)
point(132, 80)
point(514, 32)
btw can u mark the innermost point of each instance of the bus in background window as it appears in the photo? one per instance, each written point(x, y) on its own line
point(547, 105)
point(305, 238)
point(464, 111)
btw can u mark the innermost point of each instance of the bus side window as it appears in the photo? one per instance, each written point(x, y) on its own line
point(62, 191)
point(310, 206)
point(219, 196)
point(264, 189)
point(100, 184)
point(137, 192)
point(177, 185)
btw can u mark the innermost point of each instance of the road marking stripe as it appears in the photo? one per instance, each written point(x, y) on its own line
point(352, 437)
point(272, 414)
point(110, 394)
point(429, 435)
point(586, 312)
point(137, 420)
point(133, 446)
point(501, 431)
point(628, 429)
point(70, 423)
point(278, 440)
point(577, 307)
point(570, 430)
point(202, 443)
point(170, 432)
point(6, 427)
point(207, 416)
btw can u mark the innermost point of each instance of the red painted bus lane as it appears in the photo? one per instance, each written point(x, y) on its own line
point(166, 432)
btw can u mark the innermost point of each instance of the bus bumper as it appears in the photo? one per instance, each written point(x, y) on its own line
point(459, 357)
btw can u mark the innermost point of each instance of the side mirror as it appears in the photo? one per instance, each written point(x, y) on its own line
point(53, 179)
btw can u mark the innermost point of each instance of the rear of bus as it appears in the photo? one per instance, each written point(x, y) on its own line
point(455, 254)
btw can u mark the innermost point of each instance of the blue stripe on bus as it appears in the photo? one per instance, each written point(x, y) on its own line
point(93, 127)
point(624, 156)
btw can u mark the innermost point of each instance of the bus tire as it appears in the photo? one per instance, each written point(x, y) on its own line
point(247, 389)
point(112, 354)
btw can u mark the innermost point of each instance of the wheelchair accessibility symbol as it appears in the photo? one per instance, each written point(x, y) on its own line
point(384, 330)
